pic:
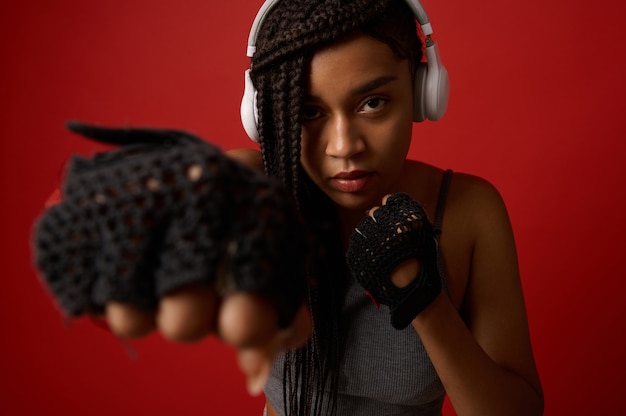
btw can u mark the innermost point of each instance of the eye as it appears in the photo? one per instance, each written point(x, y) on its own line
point(310, 113)
point(373, 105)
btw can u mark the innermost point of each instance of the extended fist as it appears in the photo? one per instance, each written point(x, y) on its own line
point(166, 210)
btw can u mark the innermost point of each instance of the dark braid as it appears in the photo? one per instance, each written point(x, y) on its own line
point(289, 37)
point(281, 115)
point(302, 25)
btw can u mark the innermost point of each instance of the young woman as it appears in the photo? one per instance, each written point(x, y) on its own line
point(335, 104)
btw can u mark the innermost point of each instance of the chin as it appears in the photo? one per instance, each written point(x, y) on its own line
point(355, 201)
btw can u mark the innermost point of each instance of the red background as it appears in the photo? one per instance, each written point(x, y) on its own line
point(536, 107)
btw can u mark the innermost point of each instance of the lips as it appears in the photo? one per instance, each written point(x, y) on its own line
point(351, 182)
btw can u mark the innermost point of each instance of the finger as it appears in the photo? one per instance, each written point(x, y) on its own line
point(129, 321)
point(256, 362)
point(384, 202)
point(187, 314)
point(371, 211)
point(247, 320)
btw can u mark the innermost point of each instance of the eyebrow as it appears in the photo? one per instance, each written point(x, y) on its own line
point(372, 85)
point(365, 88)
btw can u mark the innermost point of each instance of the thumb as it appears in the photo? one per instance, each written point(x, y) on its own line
point(256, 362)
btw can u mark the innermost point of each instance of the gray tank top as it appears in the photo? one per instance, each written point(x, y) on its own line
point(384, 371)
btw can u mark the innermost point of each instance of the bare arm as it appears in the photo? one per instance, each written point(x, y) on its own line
point(483, 355)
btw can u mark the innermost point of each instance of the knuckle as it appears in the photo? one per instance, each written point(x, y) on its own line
point(128, 322)
point(185, 317)
point(180, 333)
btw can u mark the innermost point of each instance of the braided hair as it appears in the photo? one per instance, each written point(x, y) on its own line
point(287, 41)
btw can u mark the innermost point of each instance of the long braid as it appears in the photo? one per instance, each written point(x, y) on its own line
point(290, 35)
point(281, 115)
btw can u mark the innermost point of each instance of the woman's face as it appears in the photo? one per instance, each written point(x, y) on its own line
point(357, 119)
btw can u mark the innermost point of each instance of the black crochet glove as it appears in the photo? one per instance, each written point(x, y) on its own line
point(164, 210)
point(398, 232)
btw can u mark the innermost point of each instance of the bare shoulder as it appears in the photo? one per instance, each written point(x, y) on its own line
point(478, 220)
point(479, 214)
point(470, 199)
point(493, 304)
point(476, 201)
point(481, 265)
point(476, 232)
point(249, 157)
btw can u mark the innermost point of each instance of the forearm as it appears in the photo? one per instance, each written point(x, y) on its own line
point(475, 384)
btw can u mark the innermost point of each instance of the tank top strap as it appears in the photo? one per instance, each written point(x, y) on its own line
point(441, 203)
point(441, 200)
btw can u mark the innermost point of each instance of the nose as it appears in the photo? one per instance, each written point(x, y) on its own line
point(344, 139)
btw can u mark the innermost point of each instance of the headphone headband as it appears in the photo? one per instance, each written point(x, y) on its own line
point(415, 5)
point(431, 79)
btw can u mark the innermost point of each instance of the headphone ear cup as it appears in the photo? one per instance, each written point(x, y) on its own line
point(437, 86)
point(436, 93)
point(419, 90)
point(248, 111)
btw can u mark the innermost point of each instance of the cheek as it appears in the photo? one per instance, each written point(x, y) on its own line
point(404, 129)
point(394, 139)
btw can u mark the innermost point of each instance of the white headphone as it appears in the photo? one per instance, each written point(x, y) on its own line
point(432, 86)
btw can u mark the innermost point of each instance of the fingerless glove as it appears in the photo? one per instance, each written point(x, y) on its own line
point(164, 210)
point(398, 231)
